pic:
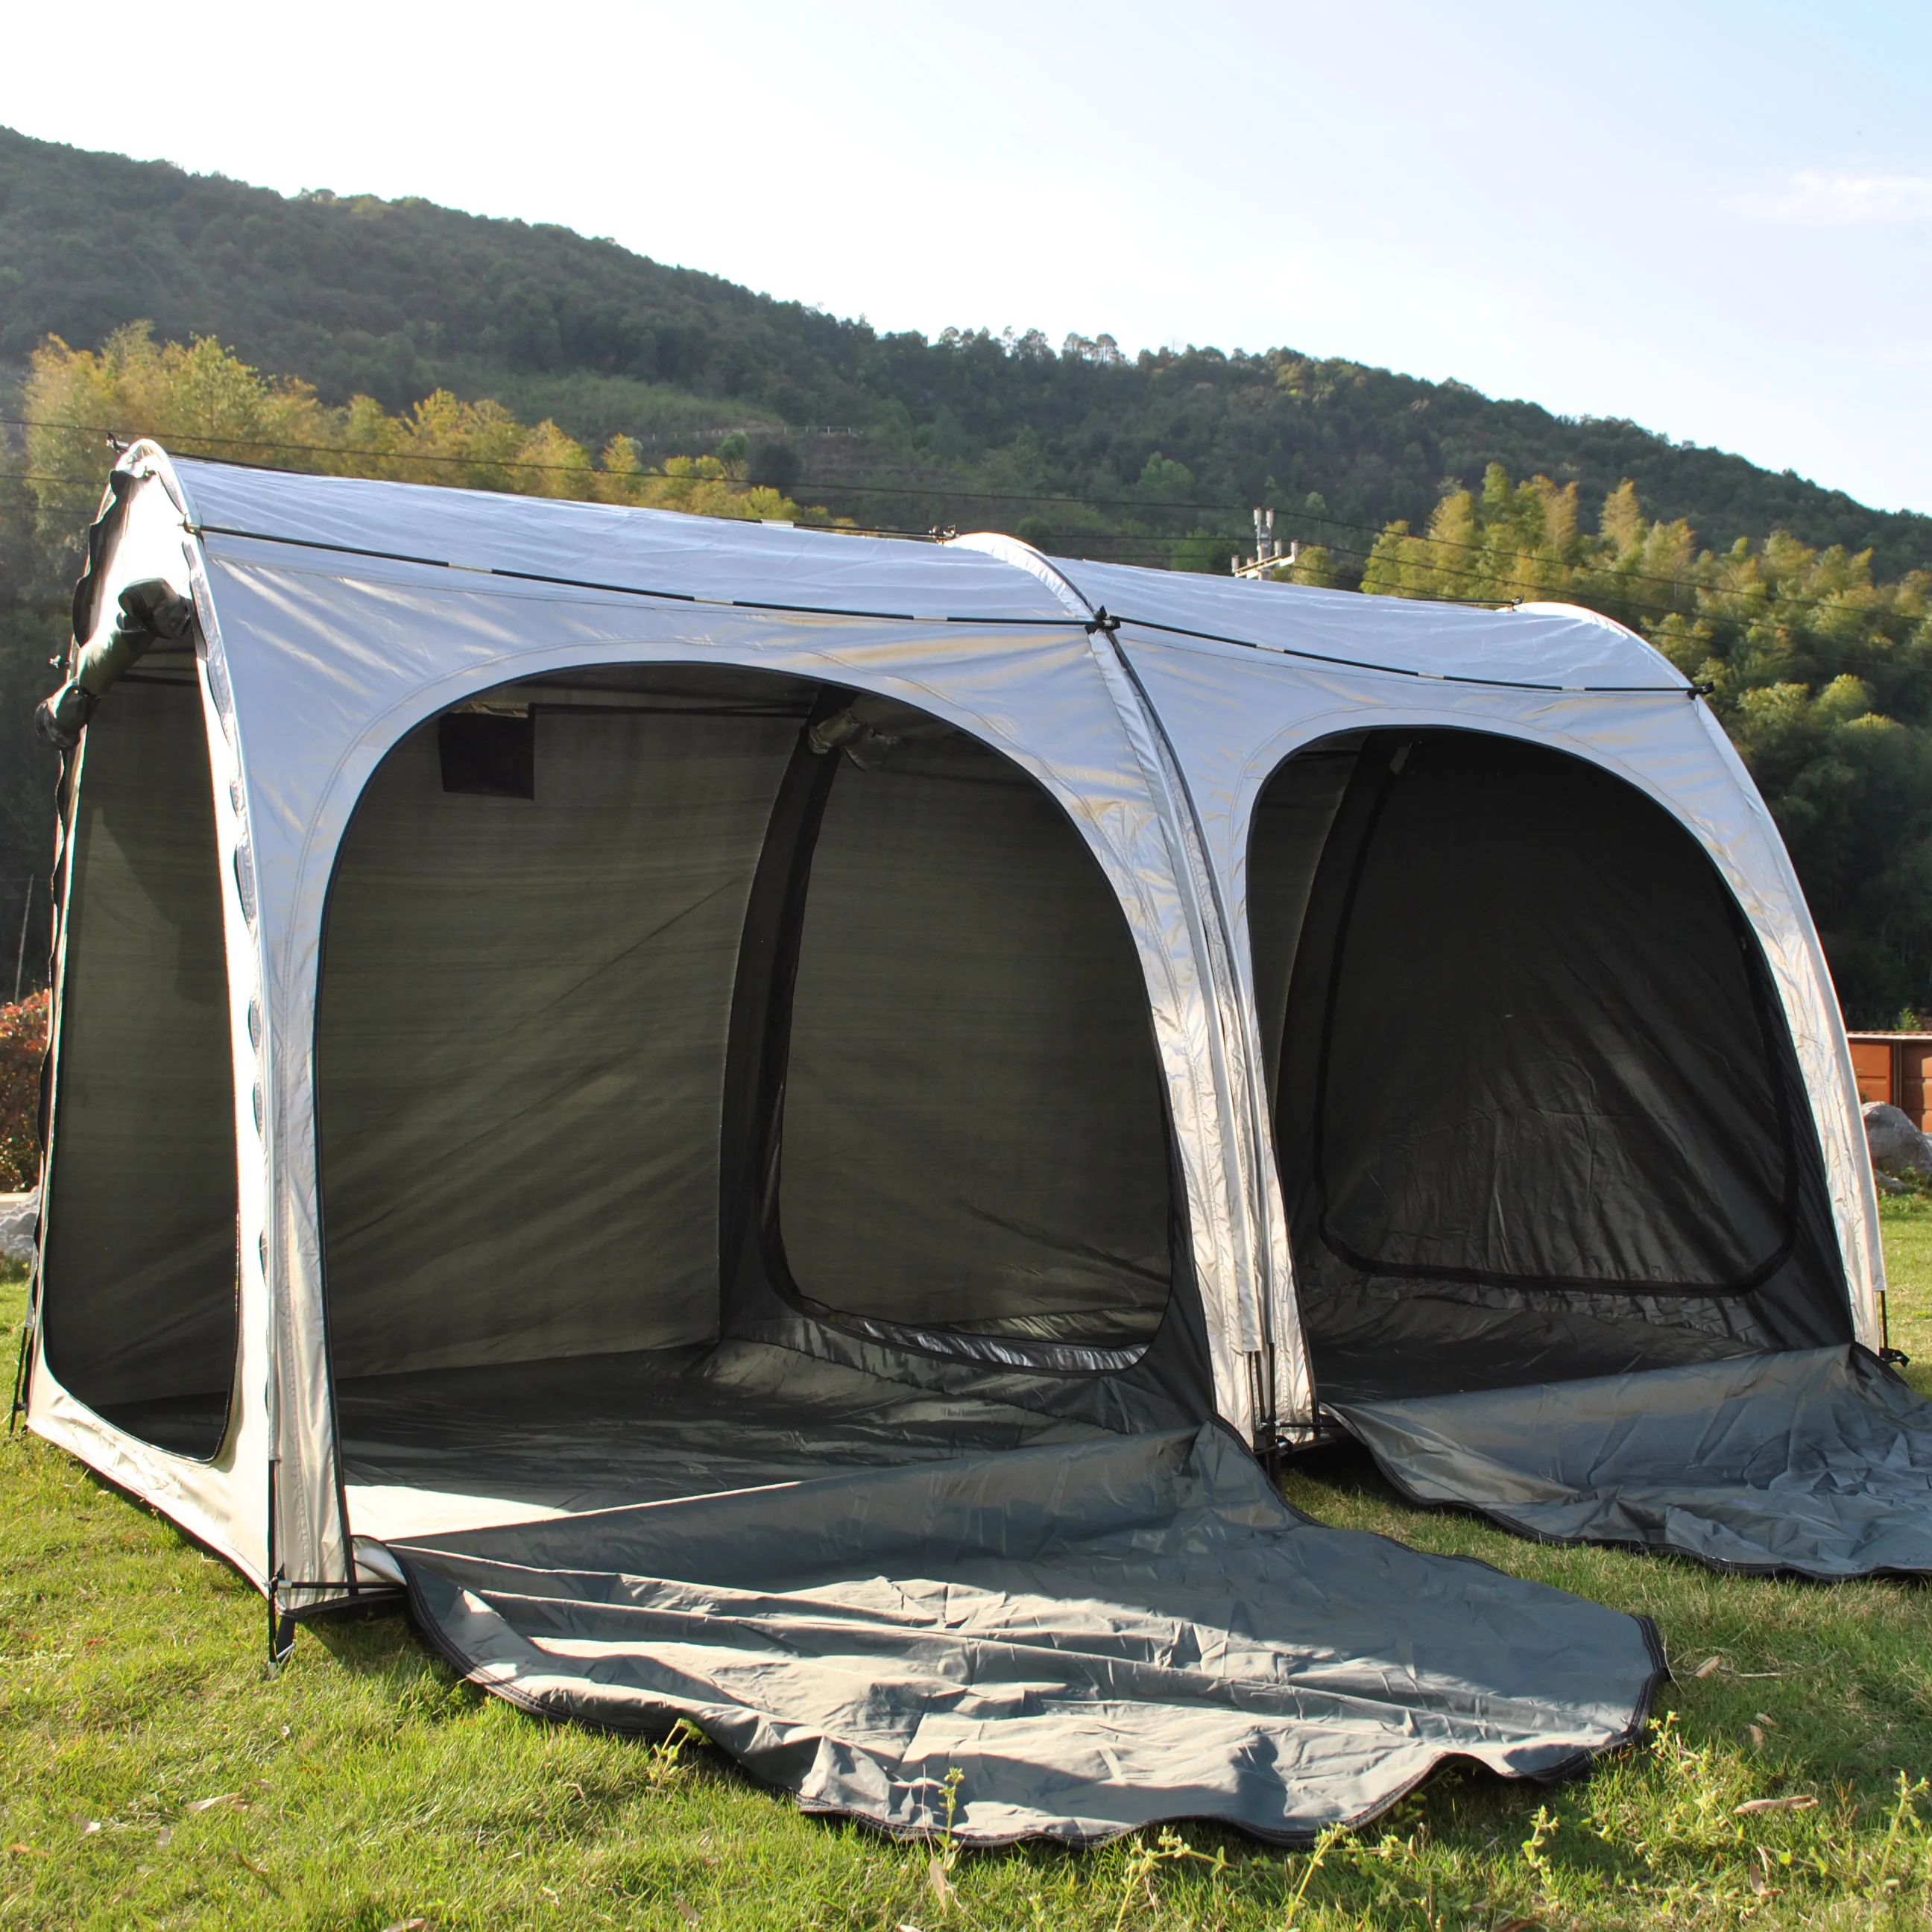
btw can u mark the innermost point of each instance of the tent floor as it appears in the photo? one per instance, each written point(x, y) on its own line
point(519, 1441)
point(1816, 1461)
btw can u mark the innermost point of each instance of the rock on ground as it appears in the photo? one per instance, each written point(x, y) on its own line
point(1897, 1145)
point(18, 1213)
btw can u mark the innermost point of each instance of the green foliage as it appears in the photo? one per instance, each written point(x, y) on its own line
point(395, 299)
point(36, 583)
point(1821, 675)
point(23, 1043)
point(201, 400)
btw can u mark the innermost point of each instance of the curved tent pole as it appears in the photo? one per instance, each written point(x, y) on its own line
point(1253, 1240)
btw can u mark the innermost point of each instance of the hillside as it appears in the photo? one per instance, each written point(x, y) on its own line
point(578, 369)
point(395, 298)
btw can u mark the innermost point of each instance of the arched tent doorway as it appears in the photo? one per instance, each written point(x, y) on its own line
point(1537, 1110)
point(141, 1266)
point(713, 1065)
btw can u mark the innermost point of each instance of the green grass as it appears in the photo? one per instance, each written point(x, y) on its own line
point(364, 1787)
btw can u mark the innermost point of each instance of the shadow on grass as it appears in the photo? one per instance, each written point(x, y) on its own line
point(1346, 1468)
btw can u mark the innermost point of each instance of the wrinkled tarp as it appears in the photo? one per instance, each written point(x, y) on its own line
point(1815, 1461)
point(1098, 1636)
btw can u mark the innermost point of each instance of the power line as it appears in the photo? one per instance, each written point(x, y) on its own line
point(848, 488)
point(1763, 593)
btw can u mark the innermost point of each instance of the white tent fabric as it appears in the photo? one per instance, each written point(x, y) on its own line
point(337, 616)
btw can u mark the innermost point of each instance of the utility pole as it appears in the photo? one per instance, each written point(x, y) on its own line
point(1268, 556)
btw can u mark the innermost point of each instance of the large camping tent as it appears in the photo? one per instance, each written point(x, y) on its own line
point(765, 1118)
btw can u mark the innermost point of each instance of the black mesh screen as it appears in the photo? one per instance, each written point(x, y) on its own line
point(140, 1289)
point(1536, 1101)
point(570, 1032)
point(974, 1131)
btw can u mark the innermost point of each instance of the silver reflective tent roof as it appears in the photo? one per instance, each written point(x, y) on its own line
point(586, 1036)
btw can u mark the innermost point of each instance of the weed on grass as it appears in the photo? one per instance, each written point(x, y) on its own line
point(150, 1777)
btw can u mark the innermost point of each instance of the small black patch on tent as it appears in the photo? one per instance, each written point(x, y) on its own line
point(490, 754)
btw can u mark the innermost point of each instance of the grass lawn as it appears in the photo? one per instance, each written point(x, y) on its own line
point(153, 1776)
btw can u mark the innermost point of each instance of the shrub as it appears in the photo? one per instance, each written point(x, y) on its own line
point(23, 1040)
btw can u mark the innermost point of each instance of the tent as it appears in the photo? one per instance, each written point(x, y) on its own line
point(769, 1122)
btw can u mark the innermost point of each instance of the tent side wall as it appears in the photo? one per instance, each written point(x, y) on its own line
point(149, 1356)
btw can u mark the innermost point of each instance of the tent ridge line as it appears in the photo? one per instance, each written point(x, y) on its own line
point(1408, 670)
point(914, 617)
point(629, 589)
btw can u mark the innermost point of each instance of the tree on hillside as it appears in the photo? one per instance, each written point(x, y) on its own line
point(201, 400)
point(1822, 677)
point(394, 300)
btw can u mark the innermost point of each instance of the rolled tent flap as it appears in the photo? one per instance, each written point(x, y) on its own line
point(150, 611)
point(1095, 1637)
point(1816, 1462)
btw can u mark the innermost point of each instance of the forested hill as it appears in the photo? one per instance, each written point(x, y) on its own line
point(395, 298)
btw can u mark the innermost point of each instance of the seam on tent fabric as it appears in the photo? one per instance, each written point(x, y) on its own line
point(1222, 977)
point(1687, 690)
point(633, 589)
point(1254, 1267)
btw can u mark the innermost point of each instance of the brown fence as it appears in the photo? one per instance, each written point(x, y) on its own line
point(1893, 1066)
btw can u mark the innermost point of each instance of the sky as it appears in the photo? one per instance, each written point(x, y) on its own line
point(1713, 218)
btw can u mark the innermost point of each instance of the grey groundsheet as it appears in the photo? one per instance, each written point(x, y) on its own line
point(1814, 1461)
point(1095, 1634)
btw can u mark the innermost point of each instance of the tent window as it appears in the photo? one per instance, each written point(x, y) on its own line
point(1530, 1056)
point(492, 754)
point(974, 1133)
point(140, 1287)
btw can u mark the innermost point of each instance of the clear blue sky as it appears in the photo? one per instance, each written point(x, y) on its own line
point(1715, 218)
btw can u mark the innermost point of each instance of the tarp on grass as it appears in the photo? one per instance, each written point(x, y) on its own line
point(1816, 1461)
point(1097, 1636)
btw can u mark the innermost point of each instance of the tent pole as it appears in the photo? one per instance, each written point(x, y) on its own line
point(281, 1627)
point(20, 951)
point(20, 1375)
